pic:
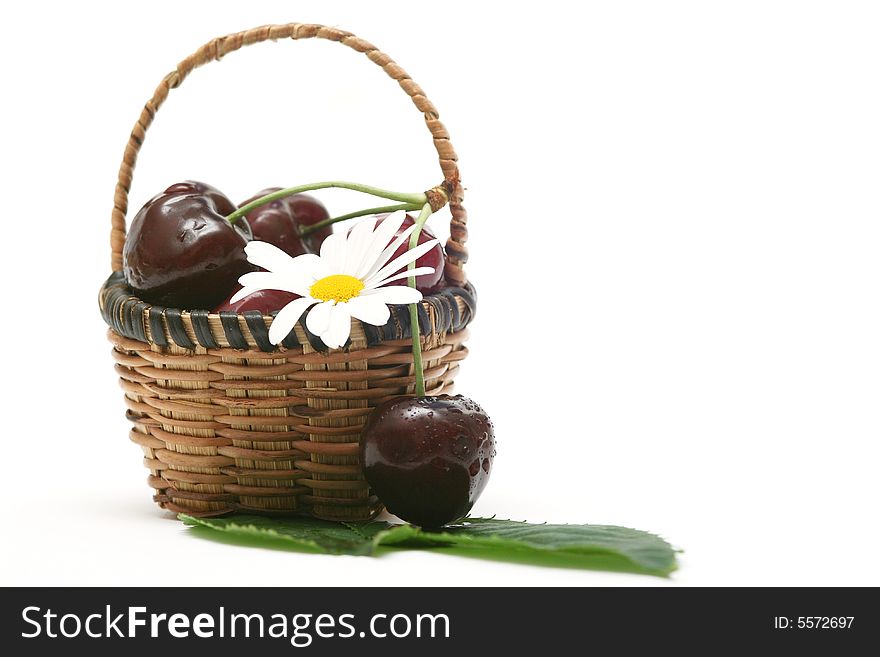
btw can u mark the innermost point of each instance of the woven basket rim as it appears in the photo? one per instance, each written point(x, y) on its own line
point(447, 310)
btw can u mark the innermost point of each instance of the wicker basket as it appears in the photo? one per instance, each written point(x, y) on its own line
point(226, 421)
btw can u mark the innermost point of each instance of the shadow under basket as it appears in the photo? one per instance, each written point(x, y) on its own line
point(228, 422)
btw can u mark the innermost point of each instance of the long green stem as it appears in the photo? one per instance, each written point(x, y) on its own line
point(413, 307)
point(308, 230)
point(412, 199)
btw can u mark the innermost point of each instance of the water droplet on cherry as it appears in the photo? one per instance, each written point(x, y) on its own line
point(428, 458)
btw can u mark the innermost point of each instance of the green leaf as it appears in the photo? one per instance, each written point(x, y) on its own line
point(309, 534)
point(602, 547)
point(644, 550)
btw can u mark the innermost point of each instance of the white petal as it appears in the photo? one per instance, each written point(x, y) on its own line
point(418, 271)
point(318, 320)
point(340, 326)
point(243, 292)
point(301, 280)
point(291, 281)
point(369, 310)
point(383, 234)
point(305, 262)
point(268, 256)
point(394, 294)
point(301, 285)
point(358, 240)
point(333, 250)
point(263, 280)
point(402, 261)
point(255, 281)
point(287, 318)
point(389, 251)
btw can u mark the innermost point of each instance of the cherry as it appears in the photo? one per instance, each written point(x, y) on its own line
point(274, 223)
point(307, 210)
point(433, 290)
point(224, 206)
point(278, 222)
point(181, 252)
point(428, 458)
point(266, 301)
point(427, 283)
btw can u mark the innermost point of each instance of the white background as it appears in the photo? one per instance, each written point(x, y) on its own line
point(674, 218)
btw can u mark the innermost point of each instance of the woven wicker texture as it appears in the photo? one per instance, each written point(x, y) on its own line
point(228, 422)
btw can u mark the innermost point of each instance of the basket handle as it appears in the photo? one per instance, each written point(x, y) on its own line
point(456, 252)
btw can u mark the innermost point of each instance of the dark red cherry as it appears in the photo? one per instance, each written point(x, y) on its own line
point(274, 223)
point(307, 210)
point(433, 290)
point(266, 301)
point(428, 458)
point(278, 222)
point(182, 253)
point(221, 201)
point(433, 258)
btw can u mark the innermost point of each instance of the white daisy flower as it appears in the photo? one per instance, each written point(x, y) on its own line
point(345, 281)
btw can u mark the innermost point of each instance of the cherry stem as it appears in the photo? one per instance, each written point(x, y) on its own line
point(410, 199)
point(308, 230)
point(413, 307)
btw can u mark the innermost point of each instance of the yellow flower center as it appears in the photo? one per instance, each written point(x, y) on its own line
point(338, 287)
